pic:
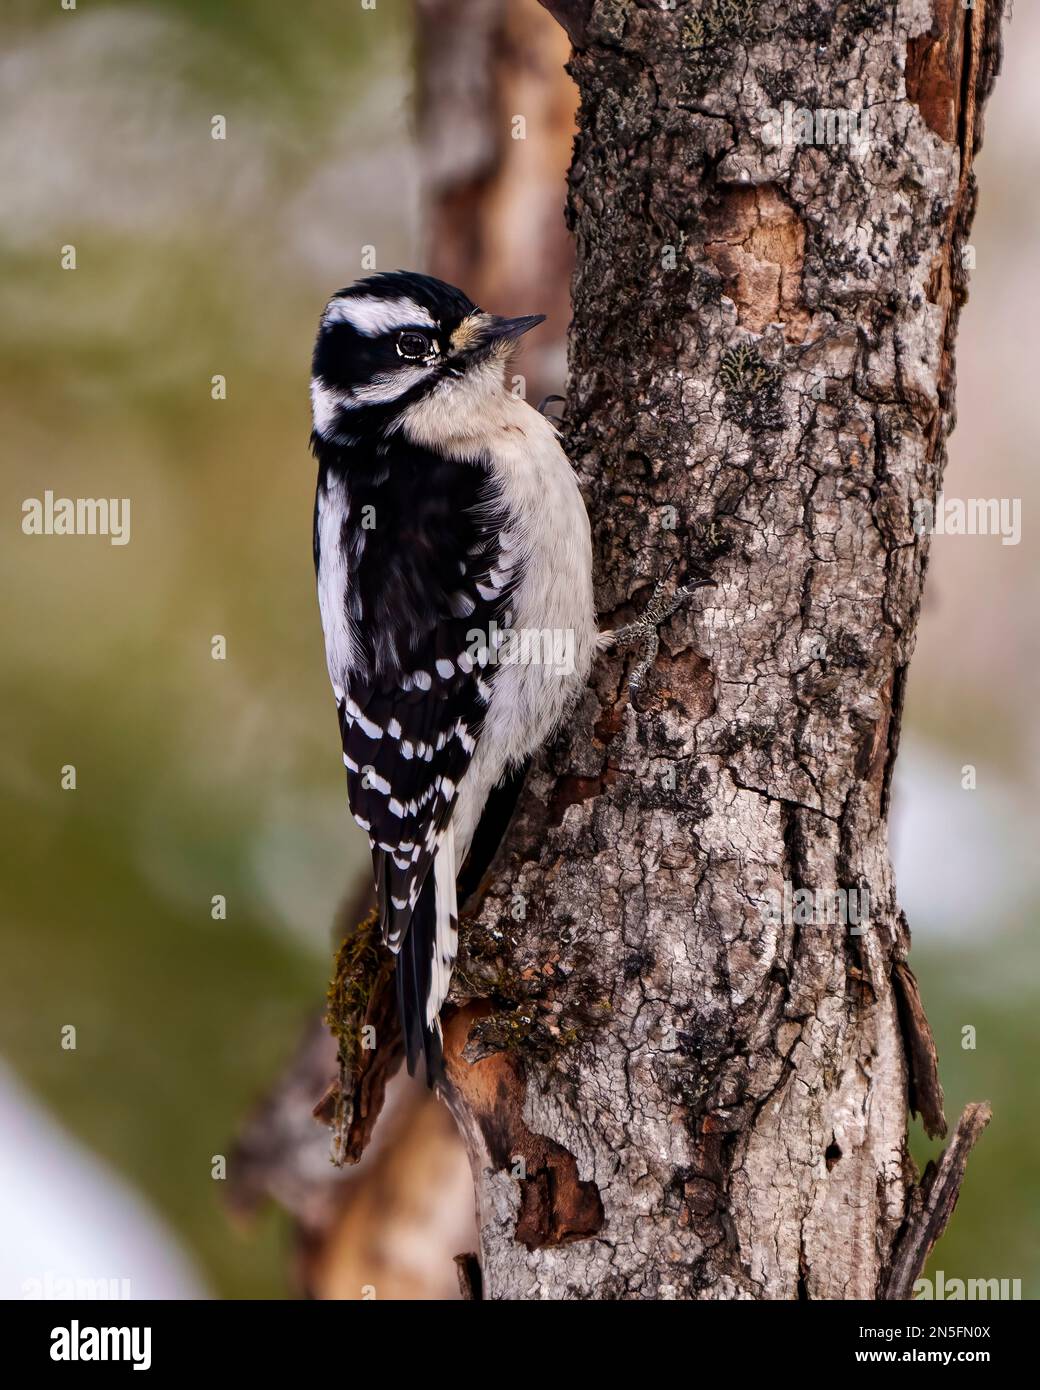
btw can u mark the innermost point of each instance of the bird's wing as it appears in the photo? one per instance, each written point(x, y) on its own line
point(406, 746)
point(440, 567)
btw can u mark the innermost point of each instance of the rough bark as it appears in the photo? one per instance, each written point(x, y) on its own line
point(664, 1093)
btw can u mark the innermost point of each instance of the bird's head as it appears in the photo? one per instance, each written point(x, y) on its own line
point(398, 348)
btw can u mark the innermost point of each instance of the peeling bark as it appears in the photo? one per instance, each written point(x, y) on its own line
point(555, 1205)
point(710, 1103)
point(932, 1203)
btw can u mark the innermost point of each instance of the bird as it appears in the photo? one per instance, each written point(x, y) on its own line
point(448, 525)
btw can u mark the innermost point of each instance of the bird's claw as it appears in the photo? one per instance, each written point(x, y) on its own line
point(644, 629)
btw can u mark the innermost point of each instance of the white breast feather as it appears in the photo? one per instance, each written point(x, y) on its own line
point(333, 578)
point(476, 417)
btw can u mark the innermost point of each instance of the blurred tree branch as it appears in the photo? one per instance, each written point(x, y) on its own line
point(495, 122)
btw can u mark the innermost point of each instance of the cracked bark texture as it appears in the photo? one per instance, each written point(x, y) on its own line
point(664, 1093)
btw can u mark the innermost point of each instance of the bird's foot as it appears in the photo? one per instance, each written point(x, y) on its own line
point(643, 631)
point(543, 409)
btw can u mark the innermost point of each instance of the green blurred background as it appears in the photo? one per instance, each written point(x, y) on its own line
point(198, 777)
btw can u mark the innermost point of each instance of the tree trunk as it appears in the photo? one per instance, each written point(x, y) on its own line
point(667, 1092)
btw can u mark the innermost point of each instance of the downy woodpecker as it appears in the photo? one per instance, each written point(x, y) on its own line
point(447, 517)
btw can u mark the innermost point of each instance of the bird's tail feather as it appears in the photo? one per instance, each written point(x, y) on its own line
point(425, 961)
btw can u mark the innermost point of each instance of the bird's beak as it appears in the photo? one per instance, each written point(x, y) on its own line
point(496, 329)
point(479, 335)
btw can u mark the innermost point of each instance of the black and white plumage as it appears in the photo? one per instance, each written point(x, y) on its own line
point(446, 513)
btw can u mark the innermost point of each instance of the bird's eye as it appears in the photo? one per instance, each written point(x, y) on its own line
point(412, 345)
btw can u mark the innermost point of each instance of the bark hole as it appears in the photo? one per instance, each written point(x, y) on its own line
point(756, 241)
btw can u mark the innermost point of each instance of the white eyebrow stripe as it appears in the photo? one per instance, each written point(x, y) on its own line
point(372, 316)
